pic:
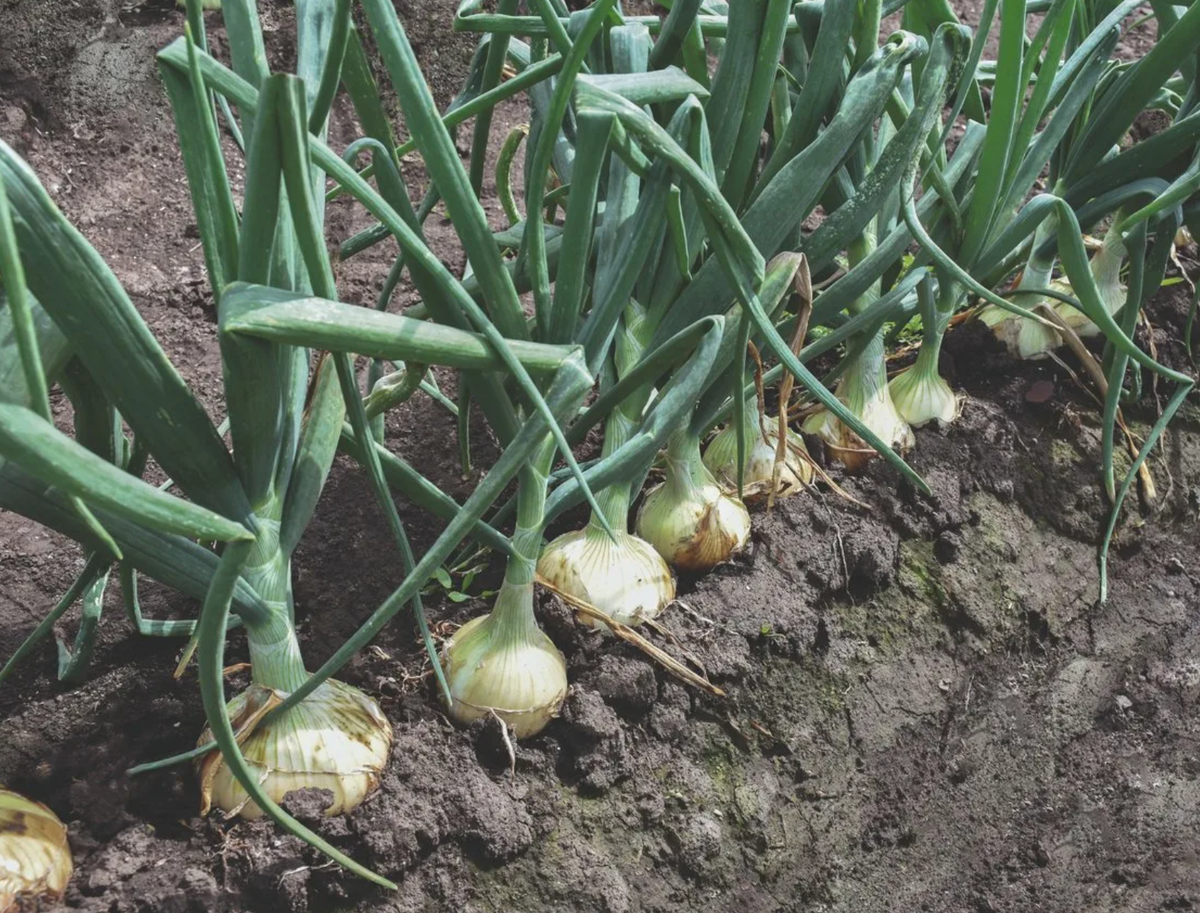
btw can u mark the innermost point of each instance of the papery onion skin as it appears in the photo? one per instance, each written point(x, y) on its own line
point(795, 473)
point(35, 857)
point(627, 579)
point(690, 520)
point(863, 389)
point(336, 739)
point(503, 664)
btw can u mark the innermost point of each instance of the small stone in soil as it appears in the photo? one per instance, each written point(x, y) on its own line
point(1040, 391)
point(697, 840)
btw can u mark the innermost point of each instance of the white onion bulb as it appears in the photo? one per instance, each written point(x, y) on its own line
point(503, 664)
point(627, 579)
point(336, 739)
point(1029, 339)
point(863, 389)
point(1024, 338)
point(689, 519)
point(794, 471)
point(921, 396)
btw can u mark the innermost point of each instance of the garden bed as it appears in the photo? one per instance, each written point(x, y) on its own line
point(926, 709)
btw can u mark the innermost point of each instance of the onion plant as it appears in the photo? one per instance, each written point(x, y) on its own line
point(256, 500)
point(586, 308)
point(664, 267)
point(680, 246)
point(669, 217)
point(1063, 80)
point(286, 412)
point(651, 256)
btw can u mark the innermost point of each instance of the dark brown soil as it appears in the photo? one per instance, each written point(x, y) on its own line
point(927, 708)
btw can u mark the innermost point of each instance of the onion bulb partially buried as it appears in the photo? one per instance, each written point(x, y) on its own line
point(503, 664)
point(795, 472)
point(863, 389)
point(625, 579)
point(35, 860)
point(922, 396)
point(1030, 339)
point(689, 519)
point(1024, 338)
point(336, 739)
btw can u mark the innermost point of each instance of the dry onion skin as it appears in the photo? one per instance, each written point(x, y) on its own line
point(336, 739)
point(795, 472)
point(35, 859)
point(689, 519)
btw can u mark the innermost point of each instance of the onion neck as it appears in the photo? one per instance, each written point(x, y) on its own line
point(752, 431)
point(929, 354)
point(1106, 264)
point(686, 473)
point(275, 660)
point(935, 318)
point(1039, 267)
point(613, 500)
point(866, 375)
point(634, 332)
point(858, 250)
point(512, 618)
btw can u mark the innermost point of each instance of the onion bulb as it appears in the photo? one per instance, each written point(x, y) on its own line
point(689, 519)
point(35, 860)
point(1106, 269)
point(922, 396)
point(863, 389)
point(1024, 338)
point(1029, 339)
point(625, 579)
point(503, 664)
point(795, 472)
point(336, 739)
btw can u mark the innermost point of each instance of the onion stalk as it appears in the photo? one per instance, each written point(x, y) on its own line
point(35, 859)
point(336, 739)
point(1105, 266)
point(863, 386)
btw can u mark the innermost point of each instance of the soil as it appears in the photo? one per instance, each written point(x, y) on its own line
point(928, 709)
